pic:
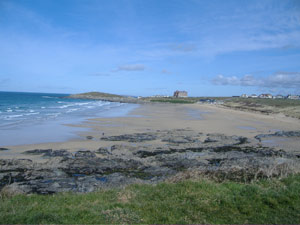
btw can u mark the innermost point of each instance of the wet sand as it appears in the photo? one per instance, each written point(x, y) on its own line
point(152, 117)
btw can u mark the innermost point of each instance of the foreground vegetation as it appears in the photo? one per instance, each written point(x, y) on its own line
point(203, 201)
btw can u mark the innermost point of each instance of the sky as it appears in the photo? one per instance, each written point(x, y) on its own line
point(150, 47)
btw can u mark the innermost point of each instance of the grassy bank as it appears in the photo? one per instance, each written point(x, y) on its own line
point(272, 201)
point(287, 107)
point(176, 101)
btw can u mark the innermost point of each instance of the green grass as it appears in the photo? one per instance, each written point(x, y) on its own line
point(176, 101)
point(287, 107)
point(254, 102)
point(99, 94)
point(186, 100)
point(203, 201)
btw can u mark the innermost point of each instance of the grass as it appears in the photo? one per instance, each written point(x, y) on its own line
point(185, 100)
point(176, 101)
point(203, 201)
point(280, 103)
point(99, 94)
point(287, 107)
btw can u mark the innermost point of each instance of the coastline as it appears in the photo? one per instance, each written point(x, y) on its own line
point(152, 117)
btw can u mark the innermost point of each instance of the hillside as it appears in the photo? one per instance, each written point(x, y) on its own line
point(104, 97)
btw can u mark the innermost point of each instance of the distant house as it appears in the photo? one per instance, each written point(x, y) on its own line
point(253, 96)
point(244, 96)
point(160, 96)
point(180, 94)
point(296, 97)
point(265, 96)
point(279, 97)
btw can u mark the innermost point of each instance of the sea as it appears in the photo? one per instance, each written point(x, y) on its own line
point(31, 118)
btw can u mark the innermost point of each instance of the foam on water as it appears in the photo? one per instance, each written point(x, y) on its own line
point(29, 114)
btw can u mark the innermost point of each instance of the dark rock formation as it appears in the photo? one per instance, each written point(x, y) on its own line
point(279, 134)
point(85, 154)
point(221, 158)
point(38, 151)
point(139, 137)
point(49, 153)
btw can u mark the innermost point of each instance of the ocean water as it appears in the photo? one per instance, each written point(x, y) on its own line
point(29, 118)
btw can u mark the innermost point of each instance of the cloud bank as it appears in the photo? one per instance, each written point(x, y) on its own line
point(285, 80)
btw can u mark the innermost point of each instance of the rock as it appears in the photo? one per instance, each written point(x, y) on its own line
point(58, 153)
point(85, 154)
point(103, 151)
point(89, 137)
point(179, 140)
point(139, 137)
point(49, 153)
point(279, 134)
point(38, 151)
point(221, 158)
point(287, 134)
point(14, 189)
point(210, 140)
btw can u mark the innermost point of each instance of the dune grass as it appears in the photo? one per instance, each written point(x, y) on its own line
point(288, 107)
point(203, 201)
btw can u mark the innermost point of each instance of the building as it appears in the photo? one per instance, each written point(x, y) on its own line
point(296, 97)
point(253, 96)
point(180, 94)
point(279, 96)
point(265, 96)
point(160, 96)
point(244, 96)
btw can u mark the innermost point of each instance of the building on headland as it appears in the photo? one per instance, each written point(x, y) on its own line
point(160, 96)
point(253, 96)
point(269, 96)
point(265, 96)
point(278, 97)
point(295, 97)
point(180, 94)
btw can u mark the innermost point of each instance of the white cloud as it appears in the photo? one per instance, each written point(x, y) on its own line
point(222, 80)
point(285, 80)
point(131, 67)
point(184, 47)
point(257, 26)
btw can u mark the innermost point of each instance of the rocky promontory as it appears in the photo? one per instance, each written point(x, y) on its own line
point(106, 97)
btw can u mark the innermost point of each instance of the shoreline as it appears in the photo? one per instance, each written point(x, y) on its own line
point(157, 143)
point(151, 117)
point(58, 129)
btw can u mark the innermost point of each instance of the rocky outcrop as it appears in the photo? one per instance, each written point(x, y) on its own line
point(140, 137)
point(154, 157)
point(279, 134)
point(106, 97)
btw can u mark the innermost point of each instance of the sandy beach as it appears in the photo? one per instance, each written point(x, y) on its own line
point(204, 118)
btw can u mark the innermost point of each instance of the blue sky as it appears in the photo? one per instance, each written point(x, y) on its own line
point(147, 47)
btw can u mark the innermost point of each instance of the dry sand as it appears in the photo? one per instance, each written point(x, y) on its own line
point(203, 118)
